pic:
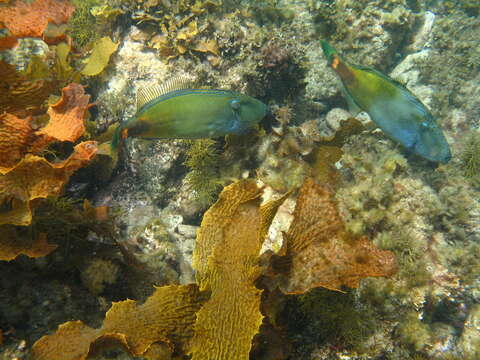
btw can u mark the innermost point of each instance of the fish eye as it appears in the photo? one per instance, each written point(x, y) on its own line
point(235, 104)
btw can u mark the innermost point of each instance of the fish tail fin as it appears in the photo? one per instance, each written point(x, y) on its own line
point(328, 50)
point(116, 139)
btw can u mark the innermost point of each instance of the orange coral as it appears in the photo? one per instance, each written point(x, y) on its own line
point(34, 177)
point(166, 317)
point(322, 252)
point(25, 19)
point(13, 244)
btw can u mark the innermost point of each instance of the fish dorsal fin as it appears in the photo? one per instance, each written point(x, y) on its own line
point(144, 95)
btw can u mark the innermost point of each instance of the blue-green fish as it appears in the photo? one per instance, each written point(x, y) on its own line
point(394, 109)
point(176, 111)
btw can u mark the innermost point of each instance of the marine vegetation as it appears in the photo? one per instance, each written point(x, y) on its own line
point(43, 111)
point(207, 319)
point(203, 161)
point(82, 26)
point(471, 156)
point(391, 106)
point(174, 110)
point(26, 176)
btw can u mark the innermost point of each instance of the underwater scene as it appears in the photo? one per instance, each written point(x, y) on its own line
point(240, 179)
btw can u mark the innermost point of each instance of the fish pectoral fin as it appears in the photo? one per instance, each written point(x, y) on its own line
point(353, 108)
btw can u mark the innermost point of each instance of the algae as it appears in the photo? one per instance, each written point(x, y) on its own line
point(471, 157)
point(203, 160)
point(82, 25)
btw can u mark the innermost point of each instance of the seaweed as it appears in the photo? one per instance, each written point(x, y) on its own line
point(471, 157)
point(204, 176)
point(335, 318)
point(82, 25)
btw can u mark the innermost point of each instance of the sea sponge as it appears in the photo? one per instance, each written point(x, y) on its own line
point(25, 19)
point(66, 117)
point(97, 273)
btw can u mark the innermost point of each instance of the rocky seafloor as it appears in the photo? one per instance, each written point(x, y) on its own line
point(428, 215)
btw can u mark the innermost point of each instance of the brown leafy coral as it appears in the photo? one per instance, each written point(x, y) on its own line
point(21, 95)
point(30, 19)
point(13, 244)
point(226, 260)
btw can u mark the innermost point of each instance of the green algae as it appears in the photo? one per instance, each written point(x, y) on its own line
point(471, 157)
point(202, 158)
point(82, 25)
point(336, 318)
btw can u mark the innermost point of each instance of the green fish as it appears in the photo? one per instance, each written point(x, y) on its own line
point(394, 109)
point(174, 110)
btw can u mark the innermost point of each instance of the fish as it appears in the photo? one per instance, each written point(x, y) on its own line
point(391, 106)
point(176, 110)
